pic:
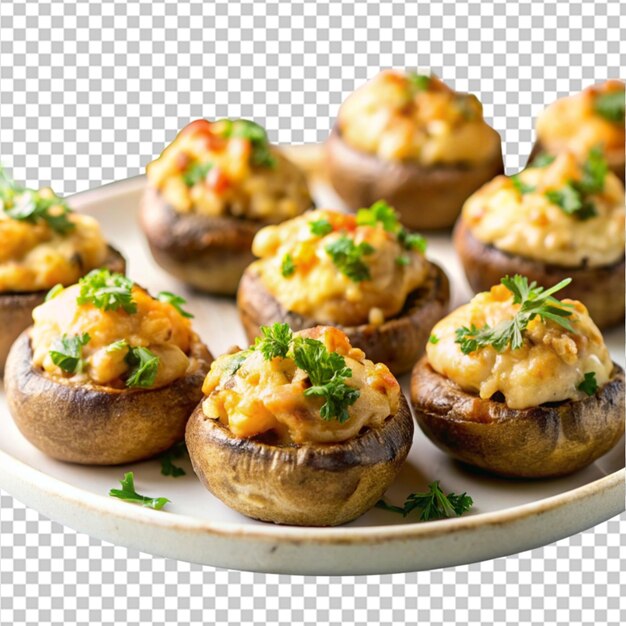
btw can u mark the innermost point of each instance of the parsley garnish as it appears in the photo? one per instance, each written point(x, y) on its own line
point(116, 346)
point(320, 227)
point(236, 361)
point(535, 301)
point(433, 504)
point(543, 159)
point(54, 292)
point(521, 186)
point(275, 341)
point(128, 494)
point(610, 106)
point(168, 468)
point(412, 241)
point(196, 172)
point(144, 365)
point(347, 257)
point(589, 384)
point(287, 267)
point(67, 352)
point(175, 301)
point(419, 82)
point(403, 260)
point(379, 212)
point(261, 154)
point(433, 339)
point(107, 291)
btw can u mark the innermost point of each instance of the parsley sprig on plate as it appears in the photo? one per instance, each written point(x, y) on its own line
point(534, 301)
point(167, 458)
point(129, 494)
point(432, 504)
point(326, 370)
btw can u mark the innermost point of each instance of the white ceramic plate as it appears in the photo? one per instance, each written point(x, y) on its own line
point(508, 516)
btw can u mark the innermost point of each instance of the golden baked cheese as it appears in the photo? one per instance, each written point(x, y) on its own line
point(408, 117)
point(252, 395)
point(548, 367)
point(516, 215)
point(228, 168)
point(345, 274)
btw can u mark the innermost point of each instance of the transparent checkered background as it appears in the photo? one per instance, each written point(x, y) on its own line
point(90, 92)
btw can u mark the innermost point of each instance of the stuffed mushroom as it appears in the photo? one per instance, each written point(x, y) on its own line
point(300, 429)
point(42, 244)
point(591, 119)
point(106, 374)
point(520, 383)
point(410, 139)
point(208, 194)
point(556, 220)
point(365, 274)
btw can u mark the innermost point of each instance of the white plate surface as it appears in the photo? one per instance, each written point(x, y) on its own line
point(508, 516)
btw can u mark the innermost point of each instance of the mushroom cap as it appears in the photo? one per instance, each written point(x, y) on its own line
point(398, 342)
point(600, 289)
point(95, 425)
point(305, 484)
point(425, 197)
point(551, 439)
point(16, 307)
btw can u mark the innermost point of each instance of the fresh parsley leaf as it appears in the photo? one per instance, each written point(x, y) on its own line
point(116, 346)
point(236, 361)
point(589, 384)
point(348, 258)
point(419, 82)
point(543, 159)
point(337, 395)
point(403, 260)
point(611, 106)
point(412, 241)
point(571, 202)
point(67, 352)
point(107, 290)
point(167, 458)
point(534, 301)
point(128, 494)
point(54, 292)
point(144, 365)
point(433, 339)
point(175, 301)
point(379, 212)
point(433, 504)
point(196, 173)
point(320, 227)
point(275, 341)
point(31, 206)
point(595, 170)
point(521, 186)
point(261, 155)
point(287, 267)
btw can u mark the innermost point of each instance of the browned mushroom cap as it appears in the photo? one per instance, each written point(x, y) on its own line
point(615, 162)
point(307, 484)
point(208, 253)
point(600, 289)
point(16, 308)
point(547, 440)
point(398, 342)
point(97, 425)
point(425, 197)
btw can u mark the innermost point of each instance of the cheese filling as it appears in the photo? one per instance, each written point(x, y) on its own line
point(549, 367)
point(407, 117)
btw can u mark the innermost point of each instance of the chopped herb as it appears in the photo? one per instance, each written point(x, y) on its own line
point(403, 260)
point(261, 153)
point(29, 205)
point(321, 227)
point(589, 384)
point(535, 301)
point(610, 106)
point(287, 267)
point(521, 186)
point(168, 468)
point(128, 494)
point(412, 241)
point(275, 341)
point(236, 361)
point(419, 82)
point(433, 504)
point(107, 290)
point(196, 173)
point(348, 258)
point(433, 339)
point(116, 346)
point(67, 352)
point(175, 301)
point(595, 170)
point(570, 200)
point(144, 365)
point(54, 292)
point(379, 212)
point(543, 159)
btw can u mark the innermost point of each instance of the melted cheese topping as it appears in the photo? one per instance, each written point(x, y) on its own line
point(391, 118)
point(234, 185)
point(318, 289)
point(532, 226)
point(33, 257)
point(156, 325)
point(267, 396)
point(573, 124)
point(547, 368)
